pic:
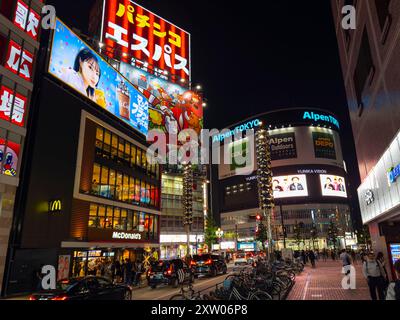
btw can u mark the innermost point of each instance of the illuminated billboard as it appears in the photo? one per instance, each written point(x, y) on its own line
point(333, 186)
point(324, 145)
point(172, 106)
point(290, 186)
point(131, 31)
point(77, 65)
point(9, 157)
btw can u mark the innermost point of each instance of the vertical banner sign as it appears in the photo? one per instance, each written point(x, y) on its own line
point(130, 31)
point(283, 146)
point(324, 145)
point(64, 263)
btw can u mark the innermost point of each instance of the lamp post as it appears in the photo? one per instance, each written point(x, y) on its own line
point(219, 234)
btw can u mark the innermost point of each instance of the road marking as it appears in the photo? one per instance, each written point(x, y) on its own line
point(306, 287)
point(194, 287)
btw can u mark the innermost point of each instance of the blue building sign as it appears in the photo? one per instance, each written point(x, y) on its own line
point(321, 117)
point(393, 174)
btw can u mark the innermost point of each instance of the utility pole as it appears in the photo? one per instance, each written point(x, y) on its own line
point(188, 201)
point(283, 226)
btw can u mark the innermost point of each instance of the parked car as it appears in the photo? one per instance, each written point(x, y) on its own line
point(85, 288)
point(208, 264)
point(169, 273)
point(240, 258)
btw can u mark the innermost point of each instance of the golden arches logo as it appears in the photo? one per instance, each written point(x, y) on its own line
point(55, 206)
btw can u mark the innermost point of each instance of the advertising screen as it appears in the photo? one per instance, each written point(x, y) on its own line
point(395, 252)
point(172, 106)
point(131, 31)
point(324, 145)
point(283, 146)
point(80, 67)
point(290, 186)
point(333, 186)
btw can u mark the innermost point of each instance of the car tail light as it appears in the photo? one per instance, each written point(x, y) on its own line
point(32, 298)
point(192, 263)
point(60, 298)
point(209, 261)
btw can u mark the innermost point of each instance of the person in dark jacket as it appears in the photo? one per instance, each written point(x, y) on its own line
point(393, 292)
point(311, 256)
point(128, 272)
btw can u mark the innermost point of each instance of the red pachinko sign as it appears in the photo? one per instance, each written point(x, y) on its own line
point(131, 31)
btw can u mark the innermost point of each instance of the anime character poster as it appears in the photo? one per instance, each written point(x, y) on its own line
point(173, 108)
point(9, 157)
point(76, 64)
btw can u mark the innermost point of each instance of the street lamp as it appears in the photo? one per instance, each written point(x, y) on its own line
point(219, 233)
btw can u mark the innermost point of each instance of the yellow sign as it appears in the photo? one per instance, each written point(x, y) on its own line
point(55, 206)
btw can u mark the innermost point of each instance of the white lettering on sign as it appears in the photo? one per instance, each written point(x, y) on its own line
point(127, 236)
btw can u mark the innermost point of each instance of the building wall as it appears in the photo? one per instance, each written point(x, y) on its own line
point(12, 132)
point(376, 124)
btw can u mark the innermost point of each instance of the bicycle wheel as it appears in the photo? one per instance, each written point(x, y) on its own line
point(260, 295)
point(178, 297)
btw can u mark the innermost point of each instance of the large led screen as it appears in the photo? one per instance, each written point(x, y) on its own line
point(290, 186)
point(395, 252)
point(333, 186)
point(80, 67)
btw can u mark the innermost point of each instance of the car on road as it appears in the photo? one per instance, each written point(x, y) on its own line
point(85, 288)
point(208, 264)
point(240, 258)
point(169, 272)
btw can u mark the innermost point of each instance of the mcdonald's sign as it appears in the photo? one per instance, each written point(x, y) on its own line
point(55, 206)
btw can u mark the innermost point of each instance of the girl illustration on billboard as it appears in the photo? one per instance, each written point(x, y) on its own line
point(85, 76)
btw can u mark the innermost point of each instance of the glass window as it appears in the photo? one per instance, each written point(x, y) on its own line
point(131, 189)
point(117, 219)
point(109, 218)
point(121, 148)
point(133, 156)
point(148, 193)
point(135, 226)
point(113, 177)
point(104, 176)
point(124, 219)
point(102, 216)
point(118, 190)
point(155, 227)
point(99, 138)
point(93, 219)
point(107, 141)
point(129, 224)
point(125, 192)
point(144, 159)
point(127, 155)
point(96, 179)
point(143, 192)
point(114, 147)
point(138, 157)
point(152, 195)
point(137, 190)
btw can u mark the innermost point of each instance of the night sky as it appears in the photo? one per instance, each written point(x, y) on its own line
point(251, 58)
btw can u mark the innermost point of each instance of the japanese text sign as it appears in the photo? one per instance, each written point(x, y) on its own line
point(140, 34)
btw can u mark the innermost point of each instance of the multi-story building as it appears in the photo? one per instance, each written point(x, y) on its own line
point(369, 56)
point(173, 239)
point(90, 195)
point(309, 182)
point(19, 45)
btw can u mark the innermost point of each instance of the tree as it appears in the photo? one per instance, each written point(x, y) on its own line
point(313, 234)
point(298, 233)
point(333, 233)
point(211, 232)
point(262, 235)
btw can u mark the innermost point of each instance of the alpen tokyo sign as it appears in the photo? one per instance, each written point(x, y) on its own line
point(321, 117)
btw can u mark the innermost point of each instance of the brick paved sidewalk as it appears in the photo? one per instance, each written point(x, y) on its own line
point(325, 283)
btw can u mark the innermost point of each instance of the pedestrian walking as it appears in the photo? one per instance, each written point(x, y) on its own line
point(393, 292)
point(118, 272)
point(374, 273)
point(380, 257)
point(311, 256)
point(346, 262)
point(127, 272)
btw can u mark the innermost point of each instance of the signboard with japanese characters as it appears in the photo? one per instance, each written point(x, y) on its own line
point(9, 154)
point(73, 62)
point(27, 19)
point(19, 61)
point(14, 103)
point(130, 31)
